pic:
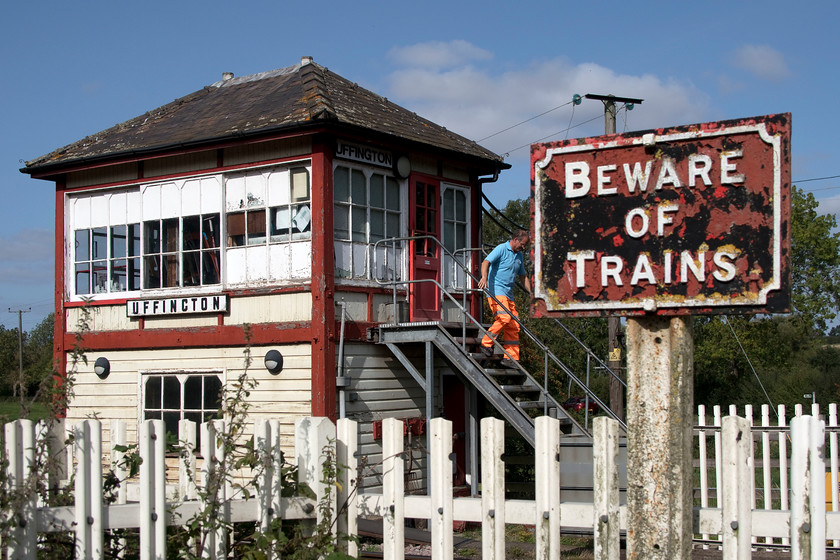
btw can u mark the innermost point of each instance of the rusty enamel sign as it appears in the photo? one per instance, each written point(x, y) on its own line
point(691, 219)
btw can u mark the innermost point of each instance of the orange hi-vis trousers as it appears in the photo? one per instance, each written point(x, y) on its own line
point(504, 324)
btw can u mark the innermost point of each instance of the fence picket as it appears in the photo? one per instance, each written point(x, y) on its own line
point(493, 489)
point(806, 466)
point(187, 486)
point(737, 522)
point(441, 490)
point(834, 487)
point(393, 490)
point(704, 469)
point(547, 481)
point(152, 490)
point(816, 505)
point(606, 522)
point(20, 451)
point(347, 445)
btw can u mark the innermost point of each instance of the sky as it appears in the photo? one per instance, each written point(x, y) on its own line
point(499, 73)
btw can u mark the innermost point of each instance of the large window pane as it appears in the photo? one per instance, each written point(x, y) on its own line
point(134, 240)
point(392, 194)
point(151, 271)
point(153, 393)
point(100, 277)
point(118, 275)
point(192, 233)
point(192, 393)
point(358, 191)
point(300, 184)
point(82, 242)
point(83, 278)
point(151, 242)
point(359, 221)
point(133, 274)
point(170, 235)
point(460, 206)
point(236, 229)
point(100, 243)
point(377, 225)
point(211, 268)
point(212, 392)
point(377, 191)
point(341, 222)
point(341, 184)
point(171, 392)
point(256, 226)
point(170, 275)
point(118, 242)
point(211, 234)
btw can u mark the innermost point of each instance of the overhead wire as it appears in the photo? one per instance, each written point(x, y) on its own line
point(526, 120)
point(749, 362)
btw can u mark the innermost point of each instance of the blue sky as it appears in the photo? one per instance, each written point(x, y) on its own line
point(73, 69)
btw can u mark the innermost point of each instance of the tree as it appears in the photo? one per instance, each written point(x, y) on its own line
point(9, 363)
point(785, 355)
point(815, 261)
point(38, 354)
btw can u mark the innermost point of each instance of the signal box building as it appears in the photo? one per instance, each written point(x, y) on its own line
point(252, 216)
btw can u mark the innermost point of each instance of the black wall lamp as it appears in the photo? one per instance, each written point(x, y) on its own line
point(274, 362)
point(102, 367)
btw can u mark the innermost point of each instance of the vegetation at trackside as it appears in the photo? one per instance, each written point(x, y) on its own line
point(793, 354)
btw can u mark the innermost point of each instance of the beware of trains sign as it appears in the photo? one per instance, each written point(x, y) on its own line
point(691, 219)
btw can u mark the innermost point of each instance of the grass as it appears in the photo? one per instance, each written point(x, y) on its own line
point(10, 411)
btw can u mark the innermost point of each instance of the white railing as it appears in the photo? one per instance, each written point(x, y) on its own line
point(804, 523)
point(771, 464)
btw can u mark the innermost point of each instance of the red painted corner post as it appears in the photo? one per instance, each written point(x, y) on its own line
point(323, 284)
point(59, 319)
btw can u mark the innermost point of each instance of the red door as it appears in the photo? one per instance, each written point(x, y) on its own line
point(425, 253)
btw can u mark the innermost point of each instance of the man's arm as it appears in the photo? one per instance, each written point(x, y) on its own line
point(485, 271)
point(527, 282)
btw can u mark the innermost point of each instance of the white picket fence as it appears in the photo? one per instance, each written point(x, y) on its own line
point(803, 524)
point(771, 466)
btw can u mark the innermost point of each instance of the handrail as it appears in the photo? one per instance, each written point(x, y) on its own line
point(464, 314)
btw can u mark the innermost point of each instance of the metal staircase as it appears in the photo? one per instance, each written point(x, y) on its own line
point(512, 390)
point(506, 385)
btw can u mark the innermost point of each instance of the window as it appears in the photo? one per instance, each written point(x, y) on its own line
point(181, 252)
point(268, 206)
point(185, 396)
point(455, 235)
point(106, 259)
point(367, 209)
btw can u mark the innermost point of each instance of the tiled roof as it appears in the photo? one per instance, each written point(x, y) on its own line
point(300, 96)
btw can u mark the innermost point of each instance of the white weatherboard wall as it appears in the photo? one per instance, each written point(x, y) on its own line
point(287, 395)
point(380, 388)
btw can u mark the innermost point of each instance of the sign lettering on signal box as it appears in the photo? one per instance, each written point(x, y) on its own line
point(691, 219)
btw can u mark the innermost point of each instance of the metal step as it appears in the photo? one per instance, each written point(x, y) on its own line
point(525, 388)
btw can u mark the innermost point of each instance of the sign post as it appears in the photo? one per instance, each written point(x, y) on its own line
point(658, 226)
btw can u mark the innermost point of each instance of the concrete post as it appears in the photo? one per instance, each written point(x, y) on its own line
point(660, 389)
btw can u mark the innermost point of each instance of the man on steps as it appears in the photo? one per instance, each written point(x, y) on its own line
point(499, 272)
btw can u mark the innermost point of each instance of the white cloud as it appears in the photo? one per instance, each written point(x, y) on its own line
point(27, 245)
point(478, 103)
point(830, 205)
point(438, 54)
point(762, 61)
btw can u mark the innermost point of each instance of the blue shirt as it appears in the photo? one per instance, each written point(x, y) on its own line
point(505, 266)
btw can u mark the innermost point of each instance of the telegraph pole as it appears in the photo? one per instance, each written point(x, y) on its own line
point(614, 359)
point(20, 313)
point(660, 391)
